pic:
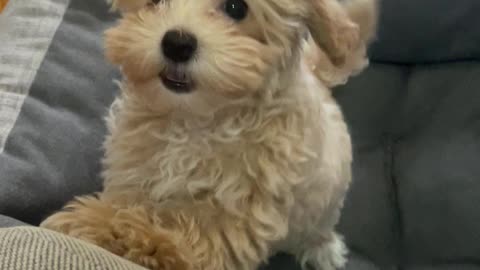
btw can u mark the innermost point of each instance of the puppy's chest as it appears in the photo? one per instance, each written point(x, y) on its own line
point(220, 162)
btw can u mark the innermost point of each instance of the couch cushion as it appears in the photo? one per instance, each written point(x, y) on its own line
point(30, 248)
point(369, 221)
point(414, 198)
point(413, 31)
point(355, 262)
point(419, 111)
point(6, 222)
point(53, 151)
point(437, 157)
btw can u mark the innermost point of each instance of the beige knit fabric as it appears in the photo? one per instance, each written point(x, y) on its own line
point(30, 248)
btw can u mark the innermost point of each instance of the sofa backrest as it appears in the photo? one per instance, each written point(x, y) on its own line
point(414, 115)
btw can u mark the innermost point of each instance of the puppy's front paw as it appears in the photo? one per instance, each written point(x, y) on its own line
point(129, 232)
point(88, 219)
point(145, 242)
point(330, 255)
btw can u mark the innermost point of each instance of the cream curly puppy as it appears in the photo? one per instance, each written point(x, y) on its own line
point(225, 145)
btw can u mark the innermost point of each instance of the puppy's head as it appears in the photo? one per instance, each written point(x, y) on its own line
point(194, 54)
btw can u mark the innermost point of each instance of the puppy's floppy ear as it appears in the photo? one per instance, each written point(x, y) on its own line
point(127, 5)
point(332, 29)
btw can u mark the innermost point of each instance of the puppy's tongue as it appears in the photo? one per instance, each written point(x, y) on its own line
point(177, 80)
point(177, 75)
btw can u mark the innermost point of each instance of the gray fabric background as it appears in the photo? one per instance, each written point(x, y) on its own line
point(53, 151)
point(417, 181)
point(424, 31)
point(7, 222)
point(414, 116)
point(26, 31)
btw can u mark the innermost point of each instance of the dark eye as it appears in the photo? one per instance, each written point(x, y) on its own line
point(154, 2)
point(236, 9)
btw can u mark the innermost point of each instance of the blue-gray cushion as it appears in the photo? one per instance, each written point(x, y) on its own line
point(53, 150)
point(6, 222)
point(427, 31)
point(415, 196)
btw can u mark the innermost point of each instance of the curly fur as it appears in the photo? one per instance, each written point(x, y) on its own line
point(255, 161)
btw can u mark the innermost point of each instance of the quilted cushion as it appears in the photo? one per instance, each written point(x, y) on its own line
point(415, 121)
point(414, 201)
point(426, 31)
point(53, 96)
point(6, 222)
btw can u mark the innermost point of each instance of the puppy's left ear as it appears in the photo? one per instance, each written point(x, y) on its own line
point(332, 29)
point(127, 5)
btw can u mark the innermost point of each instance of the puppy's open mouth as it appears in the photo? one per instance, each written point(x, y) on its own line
point(177, 80)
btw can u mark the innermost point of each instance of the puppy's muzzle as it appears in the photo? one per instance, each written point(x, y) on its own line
point(179, 46)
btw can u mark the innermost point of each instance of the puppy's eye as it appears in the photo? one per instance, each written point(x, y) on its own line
point(236, 9)
point(154, 2)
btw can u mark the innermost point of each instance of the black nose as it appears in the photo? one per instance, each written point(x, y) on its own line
point(179, 46)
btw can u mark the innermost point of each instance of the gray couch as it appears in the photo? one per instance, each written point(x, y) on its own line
point(414, 116)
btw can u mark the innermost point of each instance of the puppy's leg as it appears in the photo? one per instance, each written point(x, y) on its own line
point(329, 254)
point(314, 240)
point(129, 232)
point(170, 237)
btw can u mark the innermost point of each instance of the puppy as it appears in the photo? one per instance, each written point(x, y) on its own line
point(225, 145)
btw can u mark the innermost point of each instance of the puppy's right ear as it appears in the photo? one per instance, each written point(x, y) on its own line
point(128, 5)
point(332, 29)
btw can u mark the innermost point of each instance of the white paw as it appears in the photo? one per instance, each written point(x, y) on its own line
point(328, 256)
